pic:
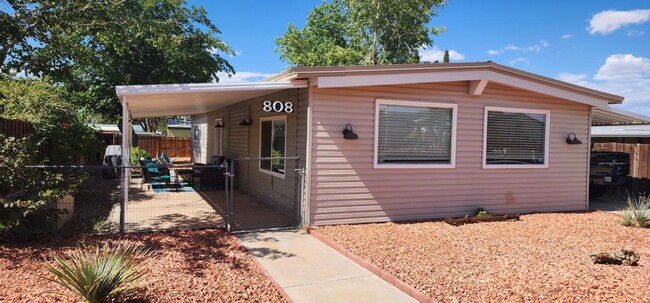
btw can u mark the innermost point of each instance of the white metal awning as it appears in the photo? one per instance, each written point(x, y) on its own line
point(613, 116)
point(165, 100)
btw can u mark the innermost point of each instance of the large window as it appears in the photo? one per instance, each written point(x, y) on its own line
point(515, 138)
point(273, 143)
point(414, 134)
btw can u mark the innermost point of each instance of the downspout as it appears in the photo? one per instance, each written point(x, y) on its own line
point(591, 111)
point(308, 154)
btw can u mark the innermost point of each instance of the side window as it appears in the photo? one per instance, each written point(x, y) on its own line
point(515, 138)
point(414, 134)
point(273, 144)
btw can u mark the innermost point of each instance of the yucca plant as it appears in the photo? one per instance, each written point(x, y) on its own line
point(637, 212)
point(100, 273)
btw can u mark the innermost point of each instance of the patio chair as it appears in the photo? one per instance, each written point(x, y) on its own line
point(152, 173)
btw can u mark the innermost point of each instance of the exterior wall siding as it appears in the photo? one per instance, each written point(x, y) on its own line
point(345, 188)
point(241, 141)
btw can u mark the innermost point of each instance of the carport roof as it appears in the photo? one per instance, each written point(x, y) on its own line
point(165, 100)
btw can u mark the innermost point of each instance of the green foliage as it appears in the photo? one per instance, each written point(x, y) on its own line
point(136, 154)
point(445, 59)
point(90, 46)
point(54, 118)
point(99, 274)
point(637, 212)
point(361, 32)
point(26, 194)
point(481, 212)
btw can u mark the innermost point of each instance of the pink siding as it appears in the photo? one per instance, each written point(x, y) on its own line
point(346, 189)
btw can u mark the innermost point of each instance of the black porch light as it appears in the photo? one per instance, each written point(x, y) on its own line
point(219, 124)
point(248, 121)
point(348, 133)
point(572, 139)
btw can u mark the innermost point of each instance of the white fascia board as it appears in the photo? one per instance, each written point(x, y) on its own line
point(395, 79)
point(449, 76)
point(156, 89)
point(545, 89)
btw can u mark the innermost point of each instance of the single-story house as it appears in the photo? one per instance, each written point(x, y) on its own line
point(179, 130)
point(110, 134)
point(396, 142)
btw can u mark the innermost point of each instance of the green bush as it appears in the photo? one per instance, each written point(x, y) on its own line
point(637, 212)
point(27, 195)
point(54, 118)
point(481, 212)
point(99, 274)
point(136, 154)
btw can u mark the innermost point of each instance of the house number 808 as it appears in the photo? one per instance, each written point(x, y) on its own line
point(277, 106)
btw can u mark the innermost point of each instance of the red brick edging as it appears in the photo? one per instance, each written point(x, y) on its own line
point(392, 280)
point(268, 276)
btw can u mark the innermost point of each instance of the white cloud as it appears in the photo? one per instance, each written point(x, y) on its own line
point(520, 60)
point(567, 36)
point(626, 66)
point(532, 48)
point(621, 74)
point(434, 53)
point(572, 78)
point(606, 22)
point(635, 33)
point(240, 77)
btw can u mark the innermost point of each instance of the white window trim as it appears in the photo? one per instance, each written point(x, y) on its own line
point(454, 119)
point(516, 110)
point(259, 167)
point(218, 143)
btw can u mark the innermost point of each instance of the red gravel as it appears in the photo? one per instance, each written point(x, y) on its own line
point(187, 266)
point(542, 258)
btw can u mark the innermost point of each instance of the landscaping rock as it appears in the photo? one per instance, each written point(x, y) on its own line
point(624, 257)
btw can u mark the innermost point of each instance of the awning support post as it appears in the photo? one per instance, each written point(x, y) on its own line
point(126, 156)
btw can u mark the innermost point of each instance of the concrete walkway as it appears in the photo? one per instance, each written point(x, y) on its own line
point(310, 271)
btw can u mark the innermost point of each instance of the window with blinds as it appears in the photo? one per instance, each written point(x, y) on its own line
point(515, 137)
point(414, 133)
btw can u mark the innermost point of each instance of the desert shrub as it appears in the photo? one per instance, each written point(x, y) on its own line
point(99, 274)
point(136, 154)
point(481, 212)
point(637, 212)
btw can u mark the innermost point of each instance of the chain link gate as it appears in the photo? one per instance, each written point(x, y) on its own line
point(263, 200)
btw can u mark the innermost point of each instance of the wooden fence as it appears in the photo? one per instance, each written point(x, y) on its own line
point(20, 129)
point(177, 147)
point(15, 128)
point(639, 156)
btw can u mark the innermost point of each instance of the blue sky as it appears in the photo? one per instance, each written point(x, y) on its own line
point(600, 44)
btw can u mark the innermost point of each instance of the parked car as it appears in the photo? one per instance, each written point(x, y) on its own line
point(607, 169)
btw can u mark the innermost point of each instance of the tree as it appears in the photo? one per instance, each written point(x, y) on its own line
point(118, 42)
point(445, 59)
point(360, 32)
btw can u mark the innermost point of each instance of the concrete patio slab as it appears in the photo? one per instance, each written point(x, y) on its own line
point(310, 271)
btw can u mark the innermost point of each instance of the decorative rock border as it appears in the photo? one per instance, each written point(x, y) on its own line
point(384, 275)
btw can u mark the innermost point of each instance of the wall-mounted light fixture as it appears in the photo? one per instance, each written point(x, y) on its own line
point(348, 133)
point(248, 121)
point(219, 124)
point(572, 139)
